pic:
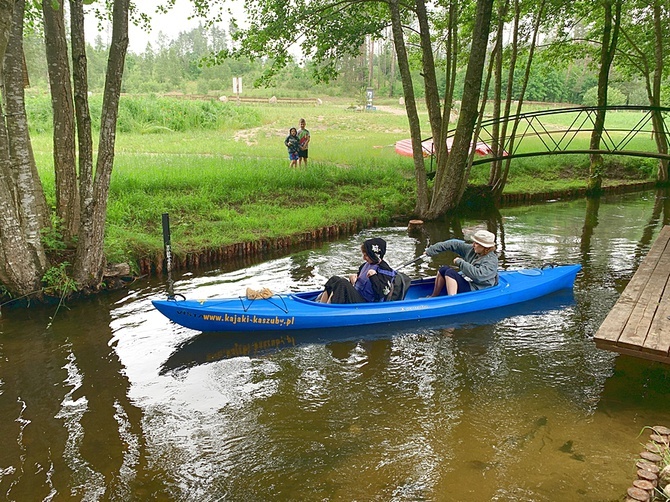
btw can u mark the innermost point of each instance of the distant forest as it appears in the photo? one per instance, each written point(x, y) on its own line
point(180, 65)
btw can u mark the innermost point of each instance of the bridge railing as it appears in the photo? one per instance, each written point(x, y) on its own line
point(555, 137)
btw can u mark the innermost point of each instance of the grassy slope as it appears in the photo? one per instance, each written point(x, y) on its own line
point(234, 184)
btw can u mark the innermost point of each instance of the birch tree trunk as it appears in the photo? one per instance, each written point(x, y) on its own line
point(660, 134)
point(82, 112)
point(450, 182)
point(500, 183)
point(441, 127)
point(410, 106)
point(67, 193)
point(29, 192)
point(500, 131)
point(20, 272)
point(647, 59)
point(89, 262)
point(609, 43)
point(429, 78)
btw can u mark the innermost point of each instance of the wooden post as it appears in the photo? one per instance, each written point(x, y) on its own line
point(414, 225)
point(168, 253)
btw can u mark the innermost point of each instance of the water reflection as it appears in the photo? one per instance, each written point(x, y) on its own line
point(590, 224)
point(77, 432)
point(115, 402)
point(33, 442)
point(660, 216)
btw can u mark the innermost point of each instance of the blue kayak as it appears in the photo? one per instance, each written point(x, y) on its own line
point(295, 311)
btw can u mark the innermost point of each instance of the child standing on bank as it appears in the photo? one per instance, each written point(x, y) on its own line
point(303, 135)
point(293, 144)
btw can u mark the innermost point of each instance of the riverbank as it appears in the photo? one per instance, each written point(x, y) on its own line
point(262, 246)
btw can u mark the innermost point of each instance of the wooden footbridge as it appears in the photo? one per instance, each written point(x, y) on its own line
point(639, 323)
point(565, 131)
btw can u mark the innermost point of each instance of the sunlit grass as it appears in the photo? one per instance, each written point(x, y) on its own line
point(229, 181)
point(214, 201)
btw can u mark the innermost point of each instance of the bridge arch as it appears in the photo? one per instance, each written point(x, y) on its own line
point(556, 140)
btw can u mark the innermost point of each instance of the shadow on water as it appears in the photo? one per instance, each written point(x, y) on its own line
point(210, 347)
point(636, 384)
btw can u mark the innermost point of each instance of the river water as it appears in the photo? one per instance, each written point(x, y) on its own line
point(108, 400)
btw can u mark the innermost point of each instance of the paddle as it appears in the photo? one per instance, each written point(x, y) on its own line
point(423, 257)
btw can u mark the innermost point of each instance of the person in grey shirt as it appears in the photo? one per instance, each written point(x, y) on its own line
point(477, 263)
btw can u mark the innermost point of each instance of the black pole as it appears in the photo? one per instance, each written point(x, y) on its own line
point(168, 253)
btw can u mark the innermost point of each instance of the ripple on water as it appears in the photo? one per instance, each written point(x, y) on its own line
point(515, 403)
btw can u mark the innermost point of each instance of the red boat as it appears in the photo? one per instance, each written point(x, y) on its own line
point(404, 147)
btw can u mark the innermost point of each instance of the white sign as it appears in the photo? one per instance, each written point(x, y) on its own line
point(237, 85)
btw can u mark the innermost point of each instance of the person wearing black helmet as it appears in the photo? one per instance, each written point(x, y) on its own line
point(372, 283)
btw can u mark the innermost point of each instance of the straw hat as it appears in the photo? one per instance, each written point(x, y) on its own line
point(484, 238)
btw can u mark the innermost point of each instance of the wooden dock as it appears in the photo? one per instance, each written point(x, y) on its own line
point(638, 324)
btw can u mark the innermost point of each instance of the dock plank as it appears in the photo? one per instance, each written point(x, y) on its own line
point(636, 329)
point(619, 316)
point(609, 330)
point(658, 339)
point(639, 322)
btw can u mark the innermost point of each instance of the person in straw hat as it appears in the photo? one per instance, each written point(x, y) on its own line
point(477, 264)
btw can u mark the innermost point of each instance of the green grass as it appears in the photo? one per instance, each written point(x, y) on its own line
point(221, 171)
point(215, 201)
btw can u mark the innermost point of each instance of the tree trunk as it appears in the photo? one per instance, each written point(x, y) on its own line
point(410, 106)
point(392, 75)
point(500, 185)
point(660, 134)
point(442, 153)
point(609, 42)
point(20, 273)
point(499, 133)
point(648, 61)
point(67, 194)
point(82, 113)
point(450, 183)
point(371, 61)
point(6, 17)
point(29, 192)
point(90, 260)
point(429, 78)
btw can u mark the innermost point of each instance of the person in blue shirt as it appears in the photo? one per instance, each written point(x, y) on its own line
point(477, 264)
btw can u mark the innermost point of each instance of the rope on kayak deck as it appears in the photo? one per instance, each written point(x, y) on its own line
point(263, 294)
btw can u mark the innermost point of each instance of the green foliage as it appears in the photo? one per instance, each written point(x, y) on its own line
point(235, 185)
point(614, 97)
point(52, 237)
point(154, 114)
point(56, 281)
point(200, 61)
point(151, 114)
point(215, 202)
